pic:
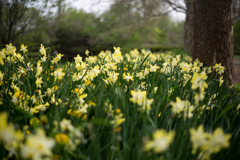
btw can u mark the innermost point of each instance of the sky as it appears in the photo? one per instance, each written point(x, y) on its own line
point(99, 6)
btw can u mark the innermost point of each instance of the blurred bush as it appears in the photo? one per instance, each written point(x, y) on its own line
point(237, 38)
point(161, 48)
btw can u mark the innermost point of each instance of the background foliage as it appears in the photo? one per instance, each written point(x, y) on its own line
point(72, 31)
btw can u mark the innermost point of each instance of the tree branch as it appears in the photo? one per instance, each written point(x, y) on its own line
point(175, 6)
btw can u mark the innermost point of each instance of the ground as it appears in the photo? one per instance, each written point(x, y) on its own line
point(236, 68)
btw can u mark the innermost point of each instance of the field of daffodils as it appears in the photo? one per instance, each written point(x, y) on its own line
point(133, 106)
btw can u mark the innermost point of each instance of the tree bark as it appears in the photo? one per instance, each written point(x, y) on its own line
point(188, 27)
point(213, 34)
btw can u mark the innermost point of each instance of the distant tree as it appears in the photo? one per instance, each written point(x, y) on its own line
point(37, 32)
point(18, 16)
point(12, 13)
point(171, 33)
point(120, 25)
point(139, 23)
point(75, 31)
point(213, 34)
point(236, 10)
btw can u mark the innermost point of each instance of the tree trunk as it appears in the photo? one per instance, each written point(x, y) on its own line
point(213, 34)
point(188, 27)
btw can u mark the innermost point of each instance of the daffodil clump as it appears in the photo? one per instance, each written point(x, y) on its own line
point(140, 98)
point(37, 146)
point(115, 105)
point(208, 143)
point(10, 137)
point(182, 106)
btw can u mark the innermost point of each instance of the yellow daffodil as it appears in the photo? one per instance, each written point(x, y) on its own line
point(179, 105)
point(198, 81)
point(58, 74)
point(23, 48)
point(8, 135)
point(127, 77)
point(66, 125)
point(42, 50)
point(154, 68)
point(219, 68)
point(1, 78)
point(39, 82)
point(37, 146)
point(62, 138)
point(161, 141)
point(57, 58)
